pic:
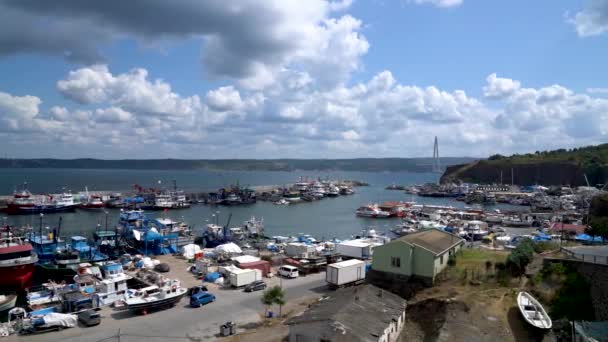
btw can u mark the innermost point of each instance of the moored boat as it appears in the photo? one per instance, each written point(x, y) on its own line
point(533, 312)
point(372, 211)
point(292, 196)
point(7, 301)
point(154, 297)
point(17, 259)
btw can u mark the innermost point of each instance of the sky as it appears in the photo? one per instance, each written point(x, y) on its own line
point(300, 79)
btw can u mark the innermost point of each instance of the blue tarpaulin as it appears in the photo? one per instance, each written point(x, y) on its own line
point(540, 236)
point(583, 237)
point(211, 277)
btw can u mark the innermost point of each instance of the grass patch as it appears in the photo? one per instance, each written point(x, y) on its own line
point(475, 265)
point(477, 257)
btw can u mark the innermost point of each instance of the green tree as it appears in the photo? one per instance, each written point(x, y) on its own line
point(267, 300)
point(598, 226)
point(520, 257)
point(274, 295)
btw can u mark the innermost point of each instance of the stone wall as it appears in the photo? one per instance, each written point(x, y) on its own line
point(597, 276)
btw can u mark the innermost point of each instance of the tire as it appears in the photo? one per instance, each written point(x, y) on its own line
point(163, 268)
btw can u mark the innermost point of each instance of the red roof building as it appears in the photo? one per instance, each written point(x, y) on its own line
point(559, 227)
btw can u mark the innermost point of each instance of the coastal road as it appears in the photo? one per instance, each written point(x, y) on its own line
point(183, 323)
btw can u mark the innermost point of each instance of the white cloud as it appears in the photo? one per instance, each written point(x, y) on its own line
point(224, 99)
point(18, 107)
point(131, 91)
point(340, 5)
point(499, 87)
point(597, 90)
point(112, 115)
point(438, 3)
point(592, 20)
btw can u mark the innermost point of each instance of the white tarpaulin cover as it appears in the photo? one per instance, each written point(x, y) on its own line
point(148, 263)
point(230, 248)
point(189, 251)
point(55, 319)
point(243, 259)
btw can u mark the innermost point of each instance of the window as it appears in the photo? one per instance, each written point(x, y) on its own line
point(441, 260)
point(395, 261)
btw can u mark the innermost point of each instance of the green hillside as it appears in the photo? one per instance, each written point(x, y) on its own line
point(558, 167)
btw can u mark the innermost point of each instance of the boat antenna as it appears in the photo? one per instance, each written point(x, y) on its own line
point(56, 236)
point(40, 228)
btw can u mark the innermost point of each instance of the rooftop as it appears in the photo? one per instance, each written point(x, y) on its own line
point(363, 312)
point(565, 227)
point(434, 240)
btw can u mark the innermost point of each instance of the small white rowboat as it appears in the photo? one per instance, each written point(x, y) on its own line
point(533, 311)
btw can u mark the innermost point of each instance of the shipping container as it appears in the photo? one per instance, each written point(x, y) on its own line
point(262, 265)
point(344, 273)
point(239, 277)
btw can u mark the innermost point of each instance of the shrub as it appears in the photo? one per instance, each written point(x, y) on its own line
point(573, 300)
point(520, 257)
point(543, 246)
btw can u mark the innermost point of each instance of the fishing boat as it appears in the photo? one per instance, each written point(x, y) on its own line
point(318, 190)
point(346, 190)
point(17, 259)
point(292, 196)
point(333, 191)
point(7, 301)
point(301, 186)
point(91, 201)
point(163, 201)
point(154, 297)
point(60, 261)
point(282, 201)
point(371, 211)
point(23, 203)
point(533, 311)
point(254, 226)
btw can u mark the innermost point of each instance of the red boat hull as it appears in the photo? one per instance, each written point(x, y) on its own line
point(17, 277)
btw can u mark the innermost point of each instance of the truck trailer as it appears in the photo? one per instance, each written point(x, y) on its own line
point(345, 273)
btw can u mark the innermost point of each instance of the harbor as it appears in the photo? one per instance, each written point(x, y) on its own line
point(134, 251)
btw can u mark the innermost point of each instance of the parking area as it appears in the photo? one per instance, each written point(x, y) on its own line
point(183, 322)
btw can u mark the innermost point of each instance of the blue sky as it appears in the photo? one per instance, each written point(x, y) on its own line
point(301, 79)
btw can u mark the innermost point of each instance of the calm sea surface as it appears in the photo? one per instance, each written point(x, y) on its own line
point(328, 218)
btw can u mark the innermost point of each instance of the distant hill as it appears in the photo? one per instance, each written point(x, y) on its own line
point(559, 167)
point(358, 164)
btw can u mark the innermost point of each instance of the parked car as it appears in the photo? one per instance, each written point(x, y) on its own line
point(89, 317)
point(197, 289)
point(255, 286)
point(288, 271)
point(201, 298)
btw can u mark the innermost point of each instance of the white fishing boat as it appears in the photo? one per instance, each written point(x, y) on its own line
point(282, 201)
point(333, 191)
point(7, 301)
point(153, 297)
point(371, 211)
point(533, 311)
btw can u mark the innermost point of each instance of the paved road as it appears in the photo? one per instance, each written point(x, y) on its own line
point(182, 322)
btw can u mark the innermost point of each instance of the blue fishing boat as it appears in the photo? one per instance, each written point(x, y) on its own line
point(58, 260)
point(137, 231)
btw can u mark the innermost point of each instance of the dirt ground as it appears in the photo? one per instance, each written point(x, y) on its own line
point(273, 330)
point(469, 305)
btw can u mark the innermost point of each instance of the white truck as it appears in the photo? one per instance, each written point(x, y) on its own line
point(242, 277)
point(345, 273)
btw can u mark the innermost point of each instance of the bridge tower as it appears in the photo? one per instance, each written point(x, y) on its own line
point(436, 162)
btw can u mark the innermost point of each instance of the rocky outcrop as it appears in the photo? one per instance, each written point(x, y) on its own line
point(526, 173)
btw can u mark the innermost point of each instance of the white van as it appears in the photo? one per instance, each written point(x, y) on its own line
point(288, 271)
